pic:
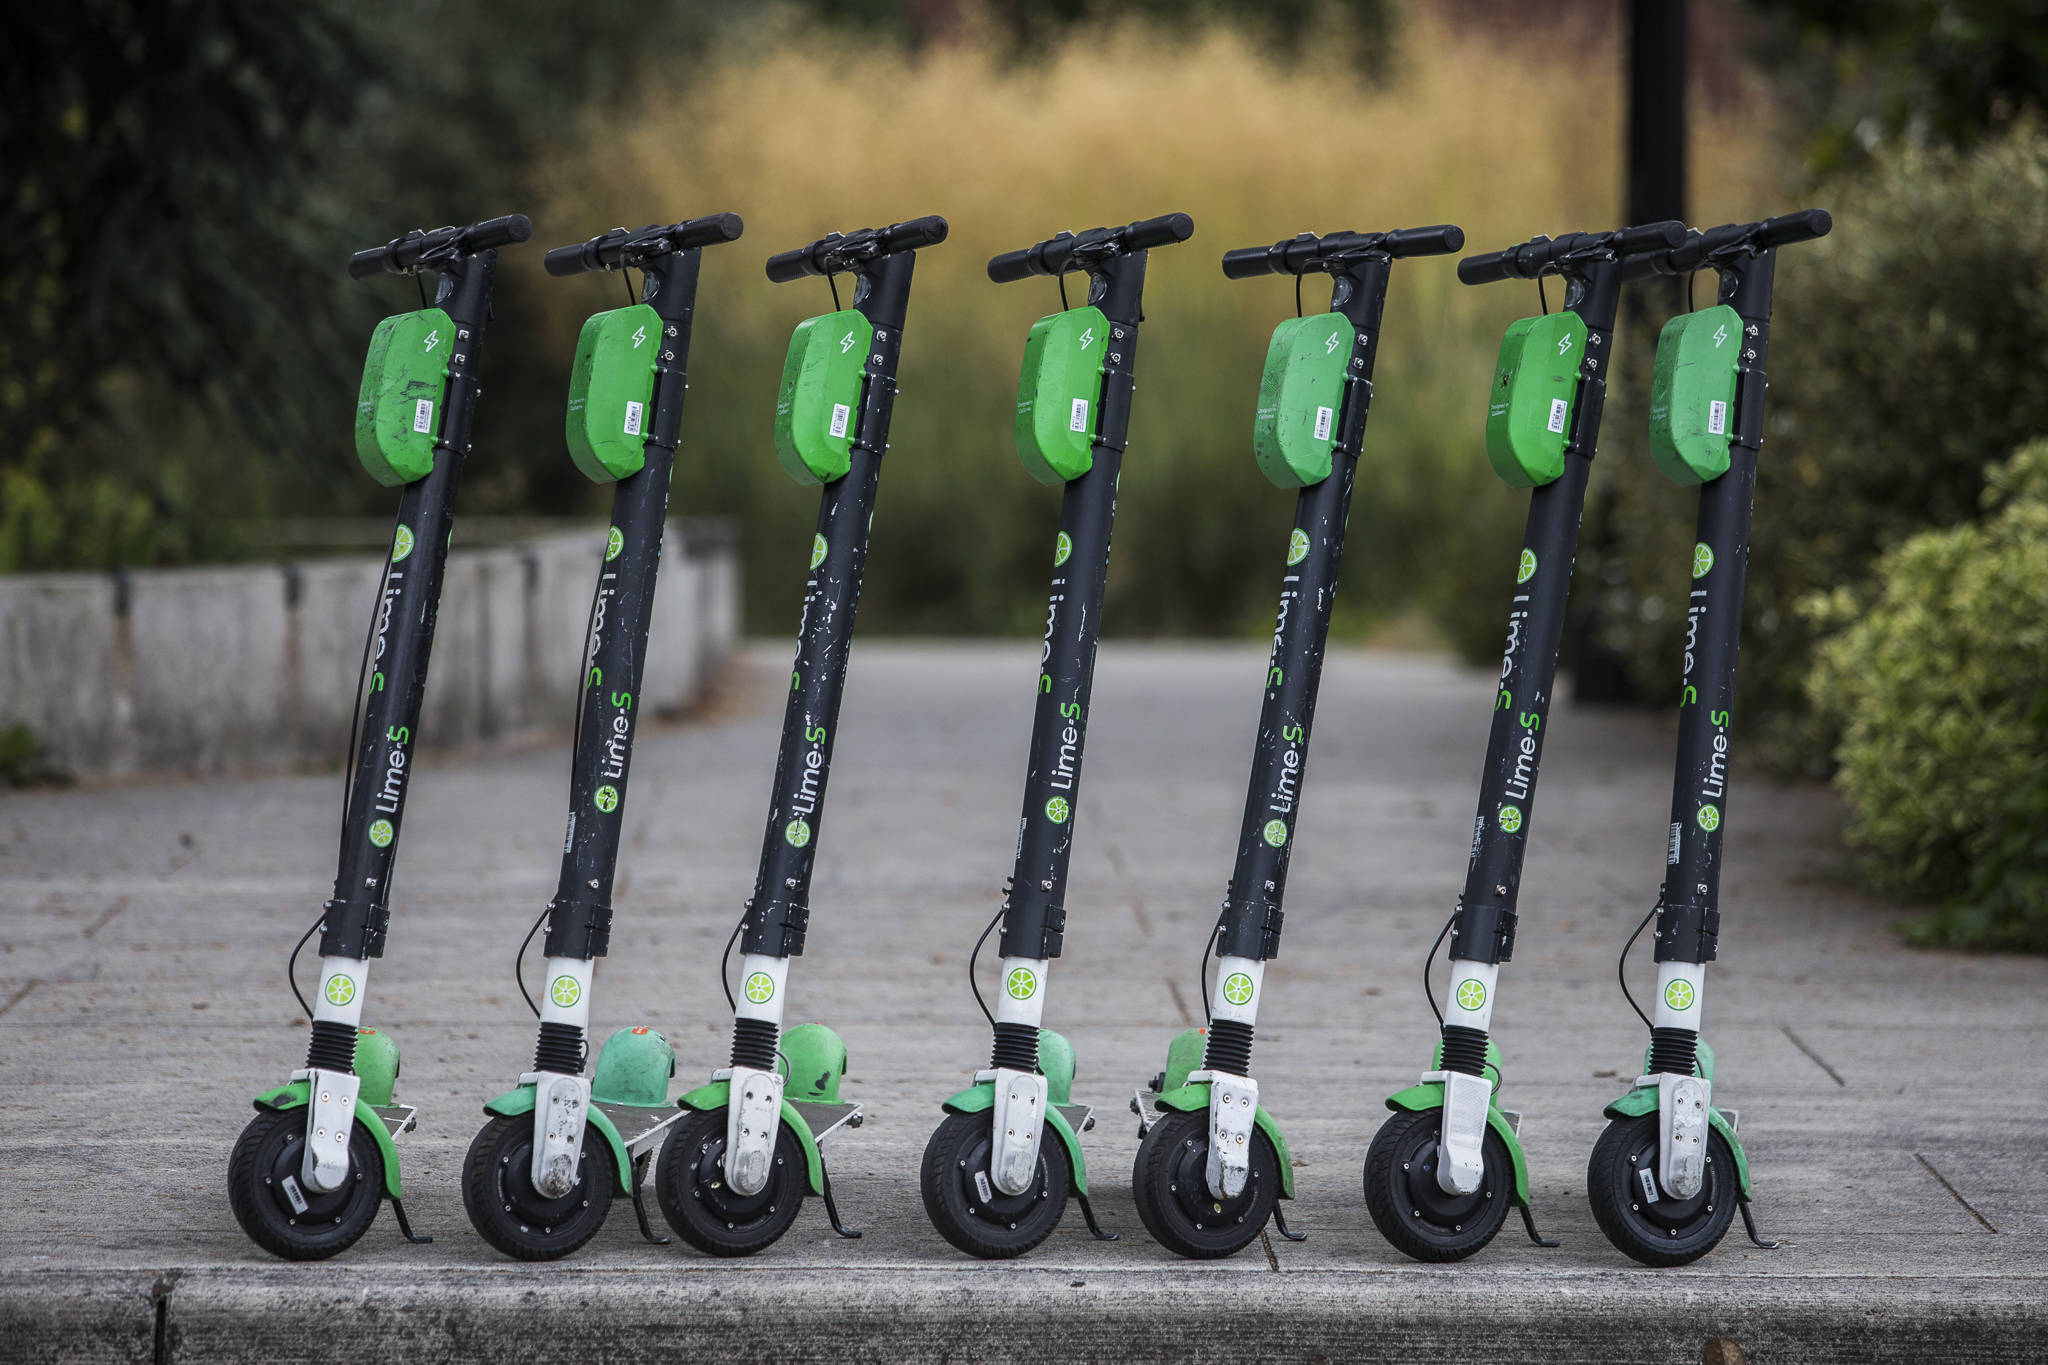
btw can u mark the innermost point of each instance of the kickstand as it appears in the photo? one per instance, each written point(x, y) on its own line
point(640, 1164)
point(832, 1209)
point(1280, 1226)
point(405, 1225)
point(1749, 1226)
point(1529, 1222)
point(1088, 1212)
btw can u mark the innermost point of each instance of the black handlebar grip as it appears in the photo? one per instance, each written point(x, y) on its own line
point(1010, 267)
point(1803, 226)
point(1164, 230)
point(928, 231)
point(785, 266)
point(573, 259)
point(496, 232)
point(364, 264)
point(1440, 240)
point(1663, 236)
point(1487, 267)
point(706, 231)
point(1247, 261)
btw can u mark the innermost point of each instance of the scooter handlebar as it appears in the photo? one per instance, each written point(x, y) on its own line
point(1440, 240)
point(1308, 252)
point(918, 232)
point(610, 250)
point(835, 252)
point(401, 255)
point(1164, 230)
point(1540, 254)
point(1057, 255)
point(1703, 247)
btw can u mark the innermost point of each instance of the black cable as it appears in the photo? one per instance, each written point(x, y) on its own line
point(1208, 947)
point(1297, 293)
point(1690, 276)
point(833, 284)
point(519, 962)
point(1427, 989)
point(1621, 967)
point(1541, 300)
point(725, 958)
point(627, 276)
point(974, 985)
point(1063, 291)
point(291, 965)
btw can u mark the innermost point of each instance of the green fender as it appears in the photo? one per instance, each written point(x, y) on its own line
point(718, 1094)
point(1430, 1095)
point(297, 1094)
point(1643, 1100)
point(1189, 1098)
point(513, 1103)
point(976, 1098)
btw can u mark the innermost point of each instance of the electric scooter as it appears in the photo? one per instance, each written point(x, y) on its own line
point(1443, 1170)
point(994, 1184)
point(1668, 1174)
point(1213, 1167)
point(543, 1169)
point(309, 1171)
point(734, 1171)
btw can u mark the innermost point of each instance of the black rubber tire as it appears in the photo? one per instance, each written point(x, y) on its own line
point(513, 1216)
point(1174, 1201)
point(266, 1155)
point(1007, 1225)
point(1412, 1211)
point(1681, 1231)
point(689, 1184)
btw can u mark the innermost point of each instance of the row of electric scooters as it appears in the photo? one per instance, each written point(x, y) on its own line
point(734, 1159)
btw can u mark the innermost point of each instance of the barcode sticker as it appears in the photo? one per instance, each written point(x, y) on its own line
point(841, 414)
point(423, 416)
point(1323, 419)
point(1559, 410)
point(1078, 421)
point(1717, 418)
point(633, 411)
point(1671, 854)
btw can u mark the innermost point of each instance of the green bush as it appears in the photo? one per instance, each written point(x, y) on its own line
point(1939, 688)
point(1906, 356)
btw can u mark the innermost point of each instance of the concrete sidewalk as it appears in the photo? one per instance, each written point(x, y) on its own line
point(1890, 1098)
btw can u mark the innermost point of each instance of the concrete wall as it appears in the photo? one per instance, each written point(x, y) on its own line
point(196, 670)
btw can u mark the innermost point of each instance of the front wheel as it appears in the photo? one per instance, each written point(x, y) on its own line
point(515, 1217)
point(961, 1198)
point(1414, 1212)
point(286, 1217)
point(689, 1184)
point(1634, 1211)
point(1170, 1182)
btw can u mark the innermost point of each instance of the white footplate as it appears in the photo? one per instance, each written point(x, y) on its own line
point(753, 1117)
point(1682, 1108)
point(330, 1111)
point(1018, 1117)
point(1233, 1104)
point(1461, 1159)
point(561, 1106)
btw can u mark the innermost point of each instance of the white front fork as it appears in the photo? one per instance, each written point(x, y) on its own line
point(561, 1102)
point(1233, 1100)
point(753, 1110)
point(331, 1095)
point(1461, 1148)
point(1683, 1102)
point(1018, 1115)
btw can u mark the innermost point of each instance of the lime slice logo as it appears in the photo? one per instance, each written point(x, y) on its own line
point(1061, 548)
point(817, 551)
point(1297, 547)
point(607, 798)
point(1702, 560)
point(401, 544)
point(1022, 983)
point(1237, 988)
point(1276, 832)
point(1471, 993)
point(1526, 570)
point(760, 988)
point(1679, 994)
point(797, 833)
point(1510, 818)
point(340, 989)
point(565, 991)
point(381, 833)
point(1057, 810)
point(614, 543)
point(1709, 818)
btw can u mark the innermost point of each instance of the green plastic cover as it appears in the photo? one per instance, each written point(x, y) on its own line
point(1056, 1063)
point(818, 408)
point(405, 380)
point(1692, 398)
point(1300, 395)
point(376, 1065)
point(1529, 416)
point(1057, 396)
point(817, 1059)
point(634, 1067)
point(611, 392)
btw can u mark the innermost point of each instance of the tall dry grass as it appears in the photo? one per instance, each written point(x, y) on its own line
point(803, 138)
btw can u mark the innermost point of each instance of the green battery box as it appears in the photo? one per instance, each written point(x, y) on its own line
point(1301, 395)
point(1692, 398)
point(611, 392)
point(817, 411)
point(1535, 382)
point(405, 382)
point(1060, 392)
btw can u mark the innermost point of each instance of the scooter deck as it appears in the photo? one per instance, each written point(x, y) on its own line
point(400, 1119)
point(638, 1125)
point(826, 1118)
